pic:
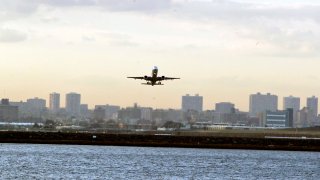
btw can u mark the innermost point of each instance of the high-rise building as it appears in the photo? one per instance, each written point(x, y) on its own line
point(54, 102)
point(305, 118)
point(312, 104)
point(192, 103)
point(292, 103)
point(73, 104)
point(225, 107)
point(260, 103)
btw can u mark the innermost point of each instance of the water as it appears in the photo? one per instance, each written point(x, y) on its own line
point(29, 161)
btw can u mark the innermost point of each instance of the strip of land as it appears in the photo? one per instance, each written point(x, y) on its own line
point(302, 141)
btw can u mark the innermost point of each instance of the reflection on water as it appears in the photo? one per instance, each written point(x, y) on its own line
point(28, 161)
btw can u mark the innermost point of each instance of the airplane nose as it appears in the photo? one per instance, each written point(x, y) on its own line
point(155, 67)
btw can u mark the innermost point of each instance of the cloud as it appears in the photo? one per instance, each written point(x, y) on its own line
point(49, 19)
point(124, 43)
point(67, 3)
point(112, 5)
point(300, 40)
point(135, 5)
point(243, 9)
point(190, 9)
point(10, 35)
point(21, 6)
point(273, 22)
point(118, 39)
point(13, 9)
point(88, 39)
point(290, 28)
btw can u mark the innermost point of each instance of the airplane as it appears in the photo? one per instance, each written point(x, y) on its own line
point(154, 79)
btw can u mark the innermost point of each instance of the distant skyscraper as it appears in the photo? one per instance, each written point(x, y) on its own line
point(312, 104)
point(291, 102)
point(54, 102)
point(73, 104)
point(260, 103)
point(224, 107)
point(294, 104)
point(192, 103)
point(305, 118)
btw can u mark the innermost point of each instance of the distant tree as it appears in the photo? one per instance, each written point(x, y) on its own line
point(111, 124)
point(171, 124)
point(111, 121)
point(36, 125)
point(84, 123)
point(49, 124)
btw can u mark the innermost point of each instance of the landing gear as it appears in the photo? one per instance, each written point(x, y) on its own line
point(159, 83)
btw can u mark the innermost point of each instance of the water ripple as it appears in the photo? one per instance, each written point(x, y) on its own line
point(28, 161)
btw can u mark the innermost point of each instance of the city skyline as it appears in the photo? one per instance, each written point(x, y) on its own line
point(222, 50)
point(198, 99)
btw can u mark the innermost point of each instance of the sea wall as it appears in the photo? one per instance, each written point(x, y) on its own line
point(162, 140)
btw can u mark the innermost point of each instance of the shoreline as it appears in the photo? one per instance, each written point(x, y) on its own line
point(255, 142)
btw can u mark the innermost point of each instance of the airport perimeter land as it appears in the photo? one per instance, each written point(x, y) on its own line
point(295, 140)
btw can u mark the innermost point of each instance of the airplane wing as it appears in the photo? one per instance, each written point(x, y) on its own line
point(161, 78)
point(136, 77)
point(148, 78)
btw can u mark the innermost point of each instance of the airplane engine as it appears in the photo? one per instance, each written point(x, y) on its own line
point(145, 77)
point(163, 77)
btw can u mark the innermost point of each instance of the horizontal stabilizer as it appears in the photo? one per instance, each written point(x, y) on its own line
point(151, 84)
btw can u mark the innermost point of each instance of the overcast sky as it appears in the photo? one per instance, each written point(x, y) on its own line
point(223, 50)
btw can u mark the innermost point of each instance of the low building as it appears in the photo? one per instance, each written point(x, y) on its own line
point(160, 116)
point(225, 107)
point(8, 113)
point(99, 113)
point(279, 118)
point(84, 110)
point(111, 111)
point(130, 115)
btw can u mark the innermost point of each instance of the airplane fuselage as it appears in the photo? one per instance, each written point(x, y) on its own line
point(154, 76)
